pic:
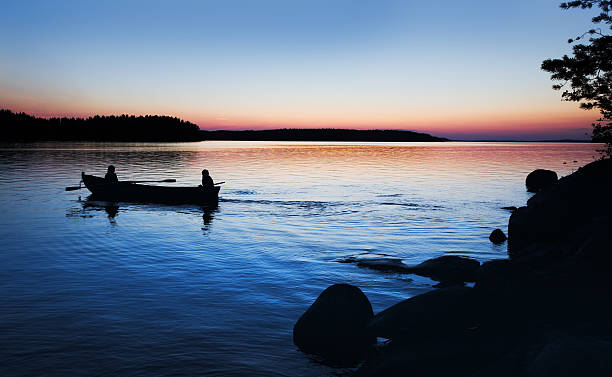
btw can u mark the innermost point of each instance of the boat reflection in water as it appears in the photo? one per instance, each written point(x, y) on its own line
point(208, 215)
point(91, 207)
point(111, 209)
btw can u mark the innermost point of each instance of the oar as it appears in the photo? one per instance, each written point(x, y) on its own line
point(170, 180)
point(219, 183)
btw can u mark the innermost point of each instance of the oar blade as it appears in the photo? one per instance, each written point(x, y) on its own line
point(72, 188)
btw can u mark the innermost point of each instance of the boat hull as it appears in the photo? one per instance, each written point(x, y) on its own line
point(132, 192)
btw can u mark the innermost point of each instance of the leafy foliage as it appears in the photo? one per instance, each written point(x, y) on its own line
point(586, 77)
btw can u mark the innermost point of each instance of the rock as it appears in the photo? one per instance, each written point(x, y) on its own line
point(384, 264)
point(429, 357)
point(573, 356)
point(539, 179)
point(494, 273)
point(423, 316)
point(553, 215)
point(448, 268)
point(497, 236)
point(333, 327)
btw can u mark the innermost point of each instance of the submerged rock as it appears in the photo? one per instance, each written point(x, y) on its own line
point(497, 236)
point(384, 264)
point(448, 268)
point(539, 179)
point(334, 325)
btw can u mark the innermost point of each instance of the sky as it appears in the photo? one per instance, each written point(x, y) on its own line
point(458, 69)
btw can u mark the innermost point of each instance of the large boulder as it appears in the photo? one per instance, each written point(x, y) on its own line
point(434, 313)
point(539, 179)
point(554, 215)
point(333, 327)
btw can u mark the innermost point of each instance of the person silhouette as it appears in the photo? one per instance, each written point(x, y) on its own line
point(207, 181)
point(110, 176)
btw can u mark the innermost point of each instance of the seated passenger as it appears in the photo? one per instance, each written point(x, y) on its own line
point(110, 176)
point(207, 181)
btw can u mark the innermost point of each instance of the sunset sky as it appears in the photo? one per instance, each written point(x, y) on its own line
point(459, 69)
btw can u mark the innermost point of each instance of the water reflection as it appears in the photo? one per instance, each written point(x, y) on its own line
point(111, 209)
point(208, 215)
point(90, 207)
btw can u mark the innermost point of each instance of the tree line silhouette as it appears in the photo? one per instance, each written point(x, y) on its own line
point(320, 134)
point(25, 127)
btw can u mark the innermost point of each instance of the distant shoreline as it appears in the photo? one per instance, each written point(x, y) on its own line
point(25, 128)
point(525, 141)
point(321, 134)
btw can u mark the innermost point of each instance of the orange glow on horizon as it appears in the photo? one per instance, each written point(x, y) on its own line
point(554, 117)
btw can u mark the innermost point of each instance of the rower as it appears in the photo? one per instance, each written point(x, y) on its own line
point(110, 176)
point(207, 181)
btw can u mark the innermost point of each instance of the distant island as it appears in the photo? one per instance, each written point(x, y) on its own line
point(22, 127)
point(320, 134)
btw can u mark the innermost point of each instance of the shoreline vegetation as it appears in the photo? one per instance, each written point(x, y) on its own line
point(321, 134)
point(22, 127)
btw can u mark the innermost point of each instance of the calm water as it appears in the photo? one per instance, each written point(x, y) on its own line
point(91, 288)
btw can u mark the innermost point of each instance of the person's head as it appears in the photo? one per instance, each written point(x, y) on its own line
point(111, 169)
point(204, 172)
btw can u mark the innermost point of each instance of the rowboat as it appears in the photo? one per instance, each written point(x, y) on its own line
point(133, 192)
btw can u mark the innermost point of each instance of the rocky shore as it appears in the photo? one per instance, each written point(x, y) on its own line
point(545, 311)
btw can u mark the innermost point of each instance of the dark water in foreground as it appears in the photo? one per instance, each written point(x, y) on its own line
point(92, 288)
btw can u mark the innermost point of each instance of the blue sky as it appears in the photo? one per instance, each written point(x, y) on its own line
point(461, 69)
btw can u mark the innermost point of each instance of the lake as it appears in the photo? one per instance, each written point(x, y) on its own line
point(106, 289)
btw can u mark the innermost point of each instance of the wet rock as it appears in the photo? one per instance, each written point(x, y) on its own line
point(553, 215)
point(333, 327)
point(539, 179)
point(384, 264)
point(423, 316)
point(379, 263)
point(448, 268)
point(497, 236)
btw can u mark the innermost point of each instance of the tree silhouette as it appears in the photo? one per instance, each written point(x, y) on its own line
point(24, 127)
point(586, 77)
